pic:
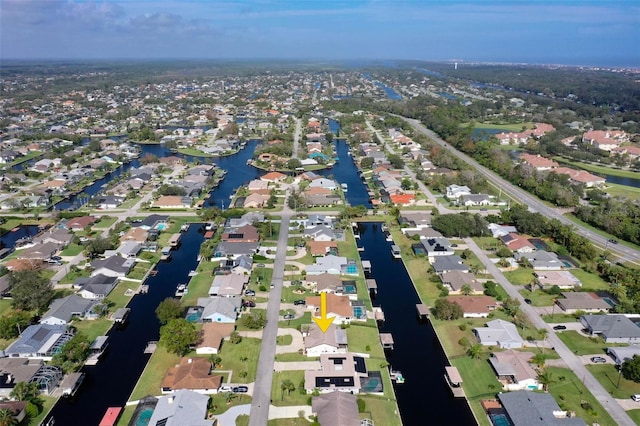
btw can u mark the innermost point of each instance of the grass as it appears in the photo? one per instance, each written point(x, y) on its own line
point(605, 170)
point(117, 295)
point(517, 127)
point(608, 376)
point(635, 415)
point(285, 340)
point(616, 190)
point(294, 323)
point(294, 356)
point(241, 357)
point(295, 397)
point(105, 222)
point(93, 328)
point(382, 410)
point(520, 276)
point(590, 281)
point(153, 374)
point(539, 297)
point(72, 250)
point(47, 405)
point(582, 345)
point(295, 421)
point(364, 338)
point(198, 287)
point(570, 392)
point(479, 385)
point(126, 415)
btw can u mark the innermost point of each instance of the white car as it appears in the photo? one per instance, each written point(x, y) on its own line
point(225, 389)
point(636, 397)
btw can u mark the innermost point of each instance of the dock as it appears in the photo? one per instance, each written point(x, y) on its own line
point(386, 339)
point(166, 253)
point(151, 347)
point(143, 289)
point(372, 286)
point(96, 349)
point(366, 266)
point(396, 376)
point(71, 383)
point(174, 240)
point(378, 313)
point(423, 311)
point(395, 251)
point(120, 316)
point(454, 381)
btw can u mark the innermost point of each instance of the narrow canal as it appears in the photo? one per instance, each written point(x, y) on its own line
point(111, 381)
point(424, 398)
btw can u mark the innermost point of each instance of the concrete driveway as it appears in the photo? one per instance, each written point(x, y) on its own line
point(296, 344)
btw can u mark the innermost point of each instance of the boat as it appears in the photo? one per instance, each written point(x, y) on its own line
point(97, 348)
point(395, 251)
point(193, 273)
point(344, 187)
point(181, 290)
point(396, 376)
point(184, 228)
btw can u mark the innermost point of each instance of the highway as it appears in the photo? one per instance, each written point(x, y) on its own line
point(623, 252)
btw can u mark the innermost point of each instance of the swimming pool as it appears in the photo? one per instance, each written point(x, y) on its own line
point(359, 311)
point(193, 315)
point(350, 289)
point(161, 226)
point(499, 420)
point(144, 416)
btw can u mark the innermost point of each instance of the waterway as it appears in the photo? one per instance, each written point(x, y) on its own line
point(423, 398)
point(111, 381)
point(9, 238)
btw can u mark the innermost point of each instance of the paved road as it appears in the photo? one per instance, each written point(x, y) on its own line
point(619, 250)
point(573, 362)
point(264, 375)
point(296, 138)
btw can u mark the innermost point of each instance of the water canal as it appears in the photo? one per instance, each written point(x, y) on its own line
point(424, 397)
point(111, 381)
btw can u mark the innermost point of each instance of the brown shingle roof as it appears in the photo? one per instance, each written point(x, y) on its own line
point(191, 373)
point(213, 333)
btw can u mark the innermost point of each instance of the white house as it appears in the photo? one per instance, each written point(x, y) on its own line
point(317, 342)
point(456, 191)
point(499, 333)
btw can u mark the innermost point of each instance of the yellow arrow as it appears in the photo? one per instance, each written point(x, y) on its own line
point(323, 322)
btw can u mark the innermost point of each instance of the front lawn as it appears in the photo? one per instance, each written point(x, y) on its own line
point(609, 378)
point(295, 397)
point(590, 281)
point(582, 345)
point(539, 297)
point(520, 276)
point(241, 357)
point(72, 250)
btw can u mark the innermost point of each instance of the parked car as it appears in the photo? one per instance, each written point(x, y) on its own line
point(260, 265)
point(560, 327)
point(241, 389)
point(289, 316)
point(249, 293)
point(636, 397)
point(226, 389)
point(249, 304)
point(272, 285)
point(598, 359)
point(527, 301)
point(612, 241)
point(299, 302)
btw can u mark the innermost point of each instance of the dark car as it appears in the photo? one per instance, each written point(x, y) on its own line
point(299, 302)
point(612, 241)
point(598, 359)
point(249, 293)
point(289, 316)
point(560, 327)
point(249, 304)
point(240, 389)
point(527, 301)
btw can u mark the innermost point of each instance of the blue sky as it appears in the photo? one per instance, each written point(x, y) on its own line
point(561, 31)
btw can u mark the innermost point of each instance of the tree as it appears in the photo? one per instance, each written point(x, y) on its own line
point(97, 247)
point(287, 385)
point(396, 161)
point(466, 289)
point(235, 338)
point(490, 288)
point(406, 184)
point(446, 310)
point(7, 418)
point(545, 378)
point(12, 325)
point(26, 391)
point(215, 361)
point(366, 163)
point(30, 290)
point(511, 306)
point(169, 309)
point(474, 351)
point(539, 359)
point(73, 353)
point(178, 335)
point(293, 164)
point(631, 369)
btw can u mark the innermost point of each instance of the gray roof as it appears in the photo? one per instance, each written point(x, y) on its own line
point(244, 261)
point(225, 248)
point(183, 407)
point(113, 263)
point(152, 220)
point(526, 408)
point(612, 326)
point(37, 338)
point(227, 306)
point(448, 263)
point(336, 409)
point(98, 284)
point(66, 308)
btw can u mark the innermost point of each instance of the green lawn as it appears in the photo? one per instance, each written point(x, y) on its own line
point(295, 421)
point(516, 127)
point(539, 297)
point(241, 357)
point(198, 287)
point(569, 392)
point(294, 356)
point(583, 345)
point(520, 276)
point(364, 338)
point(285, 340)
point(294, 323)
point(117, 295)
point(105, 222)
point(616, 190)
point(608, 377)
point(126, 415)
point(382, 410)
point(590, 281)
point(46, 407)
point(72, 250)
point(480, 381)
point(604, 170)
point(153, 374)
point(93, 328)
point(295, 397)
point(635, 415)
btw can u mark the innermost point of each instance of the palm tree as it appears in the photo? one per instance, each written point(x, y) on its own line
point(25, 391)
point(7, 418)
point(545, 378)
point(230, 397)
point(287, 385)
point(474, 351)
point(543, 333)
point(466, 289)
point(539, 359)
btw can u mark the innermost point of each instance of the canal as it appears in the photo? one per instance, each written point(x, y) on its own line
point(111, 381)
point(423, 398)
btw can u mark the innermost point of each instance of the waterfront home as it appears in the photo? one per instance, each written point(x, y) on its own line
point(537, 162)
point(322, 200)
point(249, 218)
point(39, 252)
point(542, 260)
point(244, 234)
point(605, 140)
point(322, 248)
point(337, 306)
point(220, 309)
point(16, 370)
point(96, 287)
point(443, 264)
point(318, 342)
point(319, 219)
point(517, 243)
point(474, 306)
point(414, 220)
point(403, 199)
point(80, 223)
point(583, 177)
point(17, 409)
point(229, 285)
point(255, 201)
point(521, 407)
point(324, 183)
point(40, 341)
point(138, 235)
point(273, 177)
point(562, 279)
point(232, 249)
point(61, 237)
point(154, 221)
point(612, 328)
point(329, 264)
point(211, 337)
point(454, 281)
point(588, 302)
point(183, 407)
point(114, 266)
point(128, 249)
point(191, 374)
point(499, 333)
point(514, 371)
point(338, 372)
point(336, 409)
point(437, 247)
point(320, 233)
point(63, 310)
point(109, 202)
point(323, 282)
point(172, 202)
point(621, 354)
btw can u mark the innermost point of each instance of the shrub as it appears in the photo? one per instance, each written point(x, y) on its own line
point(262, 288)
point(362, 405)
point(462, 327)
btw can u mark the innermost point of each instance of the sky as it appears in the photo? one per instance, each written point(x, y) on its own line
point(573, 32)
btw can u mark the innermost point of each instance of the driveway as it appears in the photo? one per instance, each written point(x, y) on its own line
point(228, 418)
point(296, 344)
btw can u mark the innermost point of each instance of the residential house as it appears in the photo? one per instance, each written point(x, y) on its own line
point(273, 177)
point(474, 306)
point(242, 265)
point(514, 371)
point(40, 341)
point(153, 221)
point(220, 309)
point(612, 328)
point(191, 374)
point(229, 285)
point(318, 342)
point(328, 283)
point(40, 252)
point(96, 287)
point(337, 306)
point(442, 264)
point(588, 302)
point(605, 140)
point(255, 201)
point(454, 281)
point(339, 372)
point(542, 260)
point(498, 231)
point(322, 248)
point(403, 199)
point(109, 202)
point(581, 177)
point(257, 185)
point(518, 243)
point(471, 200)
point(231, 249)
point(136, 235)
point(537, 162)
point(526, 408)
point(328, 264)
point(456, 191)
point(211, 337)
point(183, 407)
point(16, 370)
point(336, 409)
point(499, 333)
point(114, 266)
point(621, 354)
point(17, 409)
point(323, 183)
point(415, 220)
point(79, 223)
point(62, 311)
point(172, 202)
point(320, 233)
point(61, 237)
point(322, 200)
point(562, 279)
point(244, 234)
point(129, 249)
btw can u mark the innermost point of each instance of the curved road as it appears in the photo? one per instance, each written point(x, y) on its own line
point(624, 253)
